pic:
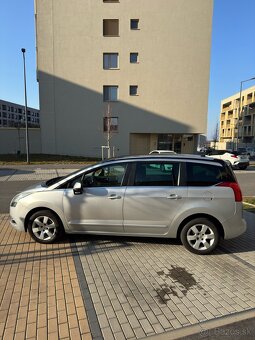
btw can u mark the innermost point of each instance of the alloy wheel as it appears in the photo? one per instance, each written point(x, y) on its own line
point(200, 237)
point(44, 228)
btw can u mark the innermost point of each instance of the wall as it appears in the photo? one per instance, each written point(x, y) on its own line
point(12, 140)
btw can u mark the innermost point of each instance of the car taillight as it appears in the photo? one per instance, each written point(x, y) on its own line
point(235, 187)
point(234, 156)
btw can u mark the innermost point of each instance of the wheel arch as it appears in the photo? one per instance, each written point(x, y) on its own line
point(209, 217)
point(31, 212)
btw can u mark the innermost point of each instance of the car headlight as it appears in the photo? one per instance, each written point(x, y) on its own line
point(18, 197)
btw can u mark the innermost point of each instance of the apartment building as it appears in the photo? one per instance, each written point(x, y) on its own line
point(237, 118)
point(13, 115)
point(130, 73)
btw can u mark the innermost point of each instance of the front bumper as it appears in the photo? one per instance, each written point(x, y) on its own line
point(17, 218)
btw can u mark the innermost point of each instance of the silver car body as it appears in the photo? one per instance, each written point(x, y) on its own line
point(132, 210)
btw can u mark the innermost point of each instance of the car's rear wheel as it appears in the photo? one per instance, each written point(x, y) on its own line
point(200, 236)
point(45, 227)
point(242, 167)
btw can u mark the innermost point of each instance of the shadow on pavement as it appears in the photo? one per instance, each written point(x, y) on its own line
point(11, 172)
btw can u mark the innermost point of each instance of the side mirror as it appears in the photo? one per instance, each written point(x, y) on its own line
point(77, 188)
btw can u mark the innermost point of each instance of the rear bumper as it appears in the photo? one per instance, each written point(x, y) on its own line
point(240, 165)
point(234, 227)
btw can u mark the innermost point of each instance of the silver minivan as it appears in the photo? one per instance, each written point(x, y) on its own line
point(193, 198)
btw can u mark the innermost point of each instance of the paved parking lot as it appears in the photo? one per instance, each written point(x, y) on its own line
point(143, 287)
point(40, 297)
point(117, 288)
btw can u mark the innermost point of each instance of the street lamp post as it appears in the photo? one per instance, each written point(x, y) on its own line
point(23, 50)
point(239, 108)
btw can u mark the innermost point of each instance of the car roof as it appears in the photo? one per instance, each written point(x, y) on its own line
point(166, 156)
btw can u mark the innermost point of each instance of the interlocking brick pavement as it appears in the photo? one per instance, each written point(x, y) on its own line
point(40, 296)
point(116, 287)
point(143, 287)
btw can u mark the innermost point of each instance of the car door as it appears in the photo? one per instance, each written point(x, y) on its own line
point(99, 207)
point(153, 199)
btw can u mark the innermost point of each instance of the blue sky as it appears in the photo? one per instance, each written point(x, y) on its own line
point(232, 52)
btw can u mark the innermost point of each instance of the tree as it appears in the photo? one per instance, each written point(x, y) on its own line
point(110, 126)
point(216, 135)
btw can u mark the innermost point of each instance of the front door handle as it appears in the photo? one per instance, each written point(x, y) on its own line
point(114, 197)
point(174, 197)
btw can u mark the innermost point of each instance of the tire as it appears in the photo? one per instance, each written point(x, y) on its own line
point(45, 227)
point(200, 236)
point(242, 167)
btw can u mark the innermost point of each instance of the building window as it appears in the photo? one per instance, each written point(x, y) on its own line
point(111, 61)
point(133, 58)
point(110, 93)
point(110, 124)
point(134, 24)
point(111, 27)
point(133, 90)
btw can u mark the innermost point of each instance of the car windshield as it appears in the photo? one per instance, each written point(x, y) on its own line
point(57, 179)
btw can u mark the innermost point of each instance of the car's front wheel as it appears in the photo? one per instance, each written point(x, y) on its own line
point(200, 236)
point(45, 227)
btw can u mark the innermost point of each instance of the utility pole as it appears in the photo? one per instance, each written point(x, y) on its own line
point(108, 124)
point(25, 92)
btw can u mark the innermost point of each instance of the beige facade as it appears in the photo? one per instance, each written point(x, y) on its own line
point(237, 118)
point(145, 62)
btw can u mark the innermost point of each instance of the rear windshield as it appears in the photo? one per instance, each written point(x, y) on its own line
point(208, 174)
point(239, 152)
point(215, 152)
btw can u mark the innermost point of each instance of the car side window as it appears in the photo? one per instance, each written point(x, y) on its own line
point(204, 174)
point(71, 182)
point(156, 173)
point(106, 176)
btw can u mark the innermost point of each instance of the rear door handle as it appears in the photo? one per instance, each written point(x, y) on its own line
point(174, 197)
point(114, 197)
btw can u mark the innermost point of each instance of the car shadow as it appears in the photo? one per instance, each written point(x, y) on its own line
point(110, 241)
point(8, 172)
point(242, 244)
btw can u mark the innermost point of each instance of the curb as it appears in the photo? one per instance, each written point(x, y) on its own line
point(203, 329)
